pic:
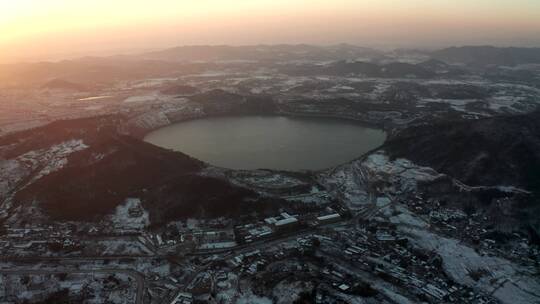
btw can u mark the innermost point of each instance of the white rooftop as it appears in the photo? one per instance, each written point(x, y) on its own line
point(328, 217)
point(286, 221)
point(270, 220)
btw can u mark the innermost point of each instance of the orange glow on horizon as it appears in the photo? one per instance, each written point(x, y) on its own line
point(33, 28)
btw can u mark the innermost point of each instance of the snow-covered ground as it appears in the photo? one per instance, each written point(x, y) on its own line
point(403, 175)
point(117, 247)
point(287, 292)
point(54, 157)
point(11, 173)
point(218, 245)
point(97, 287)
point(350, 181)
point(250, 298)
point(44, 161)
point(138, 219)
point(142, 98)
point(504, 279)
point(151, 120)
point(456, 104)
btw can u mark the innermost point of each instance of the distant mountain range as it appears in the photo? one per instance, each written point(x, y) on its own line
point(262, 53)
point(478, 55)
point(339, 59)
point(488, 55)
point(390, 70)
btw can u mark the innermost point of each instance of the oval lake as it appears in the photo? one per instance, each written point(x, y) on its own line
point(269, 142)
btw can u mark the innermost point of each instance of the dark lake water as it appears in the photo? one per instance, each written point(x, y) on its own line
point(270, 142)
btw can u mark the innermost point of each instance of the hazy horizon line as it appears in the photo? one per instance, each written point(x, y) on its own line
point(118, 52)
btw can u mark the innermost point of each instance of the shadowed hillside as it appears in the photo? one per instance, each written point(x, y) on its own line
point(113, 167)
point(492, 151)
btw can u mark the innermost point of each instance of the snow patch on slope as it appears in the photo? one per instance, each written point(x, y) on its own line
point(56, 156)
point(11, 173)
point(131, 215)
point(508, 282)
point(42, 162)
point(350, 181)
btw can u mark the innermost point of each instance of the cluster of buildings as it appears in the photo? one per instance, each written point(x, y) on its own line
point(282, 224)
point(477, 230)
point(250, 232)
point(378, 248)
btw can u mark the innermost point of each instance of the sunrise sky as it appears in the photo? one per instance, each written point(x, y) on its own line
point(53, 29)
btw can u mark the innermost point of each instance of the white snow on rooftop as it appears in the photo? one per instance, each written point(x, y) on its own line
point(328, 217)
point(286, 221)
point(220, 245)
